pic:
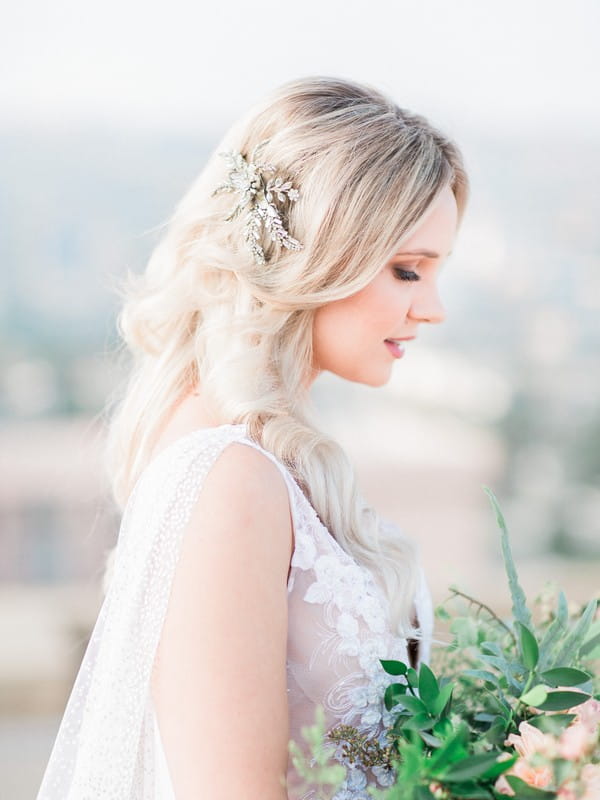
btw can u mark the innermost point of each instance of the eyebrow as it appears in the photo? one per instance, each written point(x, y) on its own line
point(427, 253)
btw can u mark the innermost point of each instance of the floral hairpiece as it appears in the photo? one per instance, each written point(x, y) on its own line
point(246, 177)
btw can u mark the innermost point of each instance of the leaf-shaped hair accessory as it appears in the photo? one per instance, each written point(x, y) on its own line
point(258, 194)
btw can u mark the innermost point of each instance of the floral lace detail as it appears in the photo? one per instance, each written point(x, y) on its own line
point(356, 627)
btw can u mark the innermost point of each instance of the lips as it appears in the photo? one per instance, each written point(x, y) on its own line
point(395, 347)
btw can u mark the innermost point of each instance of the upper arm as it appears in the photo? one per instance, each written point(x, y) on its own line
point(219, 683)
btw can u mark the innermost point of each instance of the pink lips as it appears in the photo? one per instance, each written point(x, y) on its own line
point(395, 349)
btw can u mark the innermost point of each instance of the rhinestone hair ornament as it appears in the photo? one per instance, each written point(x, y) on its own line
point(258, 194)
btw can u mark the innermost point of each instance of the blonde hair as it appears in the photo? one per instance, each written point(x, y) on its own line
point(204, 312)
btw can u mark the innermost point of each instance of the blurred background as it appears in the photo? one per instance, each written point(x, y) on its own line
point(107, 113)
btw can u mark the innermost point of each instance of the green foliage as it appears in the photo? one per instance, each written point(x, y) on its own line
point(451, 719)
point(316, 767)
point(520, 611)
point(526, 792)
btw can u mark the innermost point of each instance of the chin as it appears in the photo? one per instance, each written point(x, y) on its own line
point(371, 378)
point(381, 382)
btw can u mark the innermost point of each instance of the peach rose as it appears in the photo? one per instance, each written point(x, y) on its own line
point(540, 777)
point(588, 714)
point(590, 775)
point(567, 793)
point(531, 740)
point(576, 741)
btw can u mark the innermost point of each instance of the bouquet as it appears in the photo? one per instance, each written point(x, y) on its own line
point(509, 708)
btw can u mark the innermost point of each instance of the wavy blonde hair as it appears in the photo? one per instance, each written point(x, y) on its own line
point(204, 313)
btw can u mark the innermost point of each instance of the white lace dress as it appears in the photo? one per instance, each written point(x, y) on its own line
point(108, 745)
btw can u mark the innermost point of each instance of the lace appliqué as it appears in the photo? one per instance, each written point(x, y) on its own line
point(356, 627)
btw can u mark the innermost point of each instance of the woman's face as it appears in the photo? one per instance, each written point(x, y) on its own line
point(351, 337)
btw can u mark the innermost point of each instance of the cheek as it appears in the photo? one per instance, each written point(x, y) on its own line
point(331, 326)
point(366, 313)
point(336, 332)
point(345, 327)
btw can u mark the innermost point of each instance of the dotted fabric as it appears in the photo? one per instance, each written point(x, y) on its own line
point(108, 745)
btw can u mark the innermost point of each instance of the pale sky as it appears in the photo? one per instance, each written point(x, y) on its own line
point(500, 65)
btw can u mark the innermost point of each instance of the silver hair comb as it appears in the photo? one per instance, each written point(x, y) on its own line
point(258, 194)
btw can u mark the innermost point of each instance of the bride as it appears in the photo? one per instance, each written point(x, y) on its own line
point(251, 582)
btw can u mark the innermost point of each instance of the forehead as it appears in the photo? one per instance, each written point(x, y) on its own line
point(434, 234)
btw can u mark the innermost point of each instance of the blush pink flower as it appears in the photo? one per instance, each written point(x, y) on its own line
point(540, 777)
point(576, 741)
point(530, 743)
point(531, 740)
point(502, 786)
point(567, 793)
point(588, 714)
point(590, 775)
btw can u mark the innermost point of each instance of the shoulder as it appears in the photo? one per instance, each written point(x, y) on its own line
point(243, 471)
point(245, 497)
point(228, 606)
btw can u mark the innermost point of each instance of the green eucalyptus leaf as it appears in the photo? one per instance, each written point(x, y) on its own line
point(423, 793)
point(559, 701)
point(442, 728)
point(483, 716)
point(565, 676)
point(535, 696)
point(491, 647)
point(471, 767)
point(414, 704)
point(393, 695)
point(562, 613)
point(482, 674)
point(412, 678)
point(498, 768)
point(502, 709)
point(510, 671)
point(520, 611)
point(524, 791)
point(399, 723)
point(442, 700)
point(412, 760)
point(590, 645)
point(420, 722)
point(572, 643)
point(394, 667)
point(428, 686)
point(470, 790)
point(529, 647)
point(496, 733)
point(430, 739)
point(452, 750)
point(554, 632)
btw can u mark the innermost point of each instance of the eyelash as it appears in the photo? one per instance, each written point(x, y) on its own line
point(406, 274)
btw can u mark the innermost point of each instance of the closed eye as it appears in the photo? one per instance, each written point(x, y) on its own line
point(406, 274)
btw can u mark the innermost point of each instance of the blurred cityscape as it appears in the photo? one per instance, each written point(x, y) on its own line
point(505, 394)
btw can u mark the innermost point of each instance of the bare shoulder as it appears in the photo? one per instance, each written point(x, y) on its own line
point(247, 469)
point(228, 607)
point(246, 497)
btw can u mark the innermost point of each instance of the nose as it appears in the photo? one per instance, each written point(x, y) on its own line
point(427, 306)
